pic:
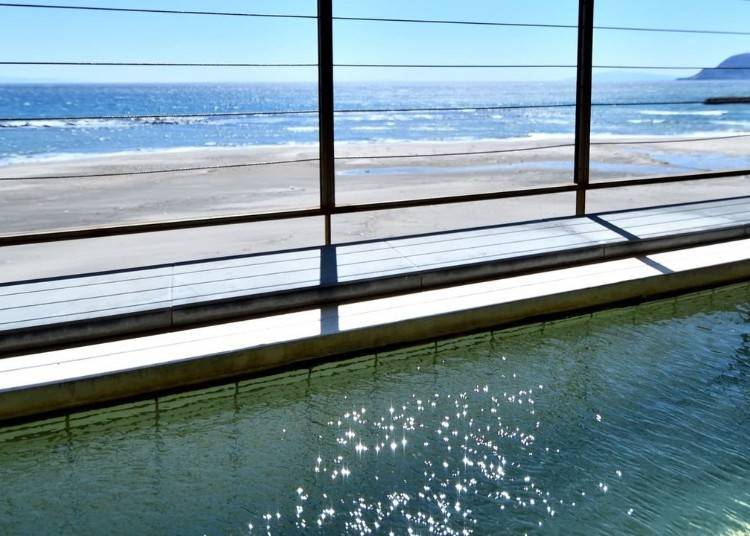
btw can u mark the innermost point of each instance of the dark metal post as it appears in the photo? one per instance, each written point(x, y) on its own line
point(325, 113)
point(583, 102)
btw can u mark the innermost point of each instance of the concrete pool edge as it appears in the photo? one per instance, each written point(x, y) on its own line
point(44, 399)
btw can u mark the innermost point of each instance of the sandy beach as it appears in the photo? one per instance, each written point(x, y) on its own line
point(29, 204)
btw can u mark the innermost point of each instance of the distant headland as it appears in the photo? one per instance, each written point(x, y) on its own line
point(734, 68)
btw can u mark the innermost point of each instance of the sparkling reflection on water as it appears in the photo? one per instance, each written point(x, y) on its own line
point(634, 421)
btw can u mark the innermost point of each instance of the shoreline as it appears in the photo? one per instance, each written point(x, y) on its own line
point(215, 181)
point(532, 139)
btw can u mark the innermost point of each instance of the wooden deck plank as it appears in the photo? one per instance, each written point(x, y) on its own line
point(573, 224)
point(83, 293)
point(739, 212)
point(86, 297)
point(80, 298)
point(687, 223)
point(303, 257)
point(638, 214)
point(13, 289)
point(510, 241)
point(669, 212)
point(41, 315)
point(507, 251)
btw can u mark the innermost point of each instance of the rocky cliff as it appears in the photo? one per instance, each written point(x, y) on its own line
point(734, 68)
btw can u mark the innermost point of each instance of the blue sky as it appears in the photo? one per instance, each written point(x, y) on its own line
point(34, 34)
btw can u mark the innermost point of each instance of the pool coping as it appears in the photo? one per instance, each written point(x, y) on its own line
point(40, 400)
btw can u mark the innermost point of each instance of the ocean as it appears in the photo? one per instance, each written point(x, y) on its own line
point(25, 139)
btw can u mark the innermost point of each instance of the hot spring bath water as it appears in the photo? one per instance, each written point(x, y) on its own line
point(634, 421)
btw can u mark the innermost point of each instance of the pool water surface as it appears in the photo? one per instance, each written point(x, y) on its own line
point(631, 421)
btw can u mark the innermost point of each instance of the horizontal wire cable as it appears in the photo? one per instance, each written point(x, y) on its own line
point(543, 25)
point(290, 112)
point(156, 116)
point(366, 65)
point(459, 22)
point(234, 166)
point(529, 66)
point(208, 64)
point(455, 108)
point(542, 147)
point(340, 111)
point(156, 171)
point(151, 64)
point(533, 66)
point(672, 67)
point(670, 30)
point(516, 107)
point(374, 19)
point(376, 157)
point(467, 153)
point(160, 11)
point(655, 103)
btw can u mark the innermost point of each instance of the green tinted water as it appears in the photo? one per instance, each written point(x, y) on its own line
point(628, 422)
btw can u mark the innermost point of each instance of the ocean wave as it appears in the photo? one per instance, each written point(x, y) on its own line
point(71, 124)
point(174, 120)
point(615, 136)
point(367, 128)
point(646, 121)
point(104, 123)
point(743, 124)
point(432, 129)
point(607, 136)
point(378, 117)
point(11, 158)
point(14, 158)
point(412, 117)
point(302, 129)
point(555, 122)
point(706, 113)
point(360, 116)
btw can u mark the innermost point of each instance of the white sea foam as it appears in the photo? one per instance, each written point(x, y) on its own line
point(64, 157)
point(705, 113)
point(432, 129)
point(302, 129)
point(368, 128)
point(91, 124)
point(379, 117)
point(742, 124)
point(549, 137)
point(69, 124)
point(209, 146)
point(359, 117)
point(178, 120)
point(607, 136)
point(555, 122)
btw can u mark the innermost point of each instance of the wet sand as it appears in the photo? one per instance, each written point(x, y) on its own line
point(29, 204)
